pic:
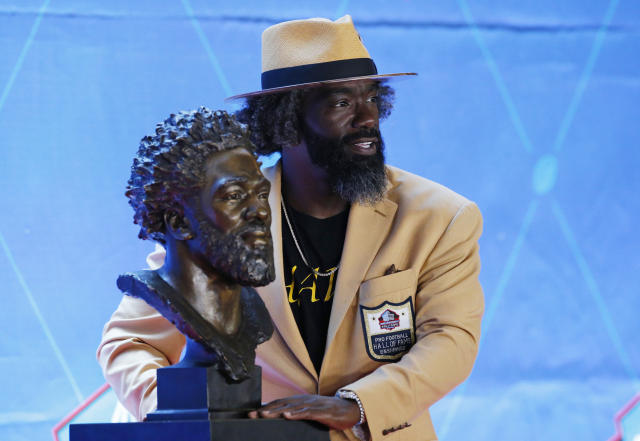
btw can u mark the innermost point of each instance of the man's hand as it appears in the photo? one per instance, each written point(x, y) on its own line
point(337, 413)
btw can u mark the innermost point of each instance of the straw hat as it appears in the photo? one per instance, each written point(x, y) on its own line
point(312, 52)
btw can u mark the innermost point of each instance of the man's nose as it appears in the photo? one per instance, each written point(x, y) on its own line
point(366, 116)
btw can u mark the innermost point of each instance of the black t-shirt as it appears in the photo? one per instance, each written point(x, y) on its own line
point(311, 296)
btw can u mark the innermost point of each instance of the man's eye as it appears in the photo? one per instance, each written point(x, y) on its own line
point(341, 103)
point(373, 99)
point(264, 195)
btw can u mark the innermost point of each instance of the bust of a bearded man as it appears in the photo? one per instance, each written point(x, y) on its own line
point(196, 188)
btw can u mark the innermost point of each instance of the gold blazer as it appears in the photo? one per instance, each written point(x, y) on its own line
point(400, 341)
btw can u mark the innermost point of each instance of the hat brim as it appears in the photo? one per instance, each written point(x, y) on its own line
point(318, 84)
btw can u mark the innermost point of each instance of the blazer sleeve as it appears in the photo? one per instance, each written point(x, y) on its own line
point(136, 341)
point(449, 307)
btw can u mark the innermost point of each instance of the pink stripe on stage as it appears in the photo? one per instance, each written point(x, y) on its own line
point(621, 413)
point(74, 413)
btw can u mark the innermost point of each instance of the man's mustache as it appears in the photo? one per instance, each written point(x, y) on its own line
point(362, 133)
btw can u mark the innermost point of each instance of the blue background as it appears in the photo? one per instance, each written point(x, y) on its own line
point(530, 108)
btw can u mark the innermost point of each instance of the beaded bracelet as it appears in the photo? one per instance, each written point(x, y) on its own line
point(351, 395)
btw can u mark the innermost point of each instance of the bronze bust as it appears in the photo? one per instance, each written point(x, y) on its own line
point(196, 188)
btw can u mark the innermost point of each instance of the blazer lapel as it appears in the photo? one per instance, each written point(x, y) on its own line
point(366, 229)
point(274, 295)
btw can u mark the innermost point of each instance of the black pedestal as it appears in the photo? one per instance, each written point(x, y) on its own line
point(187, 393)
point(199, 404)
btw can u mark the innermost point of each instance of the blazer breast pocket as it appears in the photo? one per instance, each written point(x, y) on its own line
point(387, 315)
point(395, 287)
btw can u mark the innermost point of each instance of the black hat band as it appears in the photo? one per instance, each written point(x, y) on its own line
point(311, 73)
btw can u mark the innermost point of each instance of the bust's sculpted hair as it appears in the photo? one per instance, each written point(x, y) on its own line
point(169, 166)
point(275, 119)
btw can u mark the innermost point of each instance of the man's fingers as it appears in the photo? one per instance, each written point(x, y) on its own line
point(290, 413)
point(284, 402)
point(276, 408)
point(331, 411)
point(270, 414)
point(279, 411)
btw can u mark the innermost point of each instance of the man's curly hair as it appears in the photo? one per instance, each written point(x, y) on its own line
point(170, 165)
point(275, 119)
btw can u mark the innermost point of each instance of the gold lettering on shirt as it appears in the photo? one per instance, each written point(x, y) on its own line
point(329, 294)
point(290, 287)
point(294, 292)
point(311, 288)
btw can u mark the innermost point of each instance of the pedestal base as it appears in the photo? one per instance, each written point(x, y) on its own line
point(200, 404)
point(201, 430)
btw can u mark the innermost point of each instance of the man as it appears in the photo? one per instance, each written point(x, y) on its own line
point(197, 189)
point(376, 296)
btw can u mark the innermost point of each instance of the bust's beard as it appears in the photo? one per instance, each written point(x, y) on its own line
point(230, 255)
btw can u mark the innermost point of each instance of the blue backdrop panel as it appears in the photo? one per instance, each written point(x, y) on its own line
point(530, 108)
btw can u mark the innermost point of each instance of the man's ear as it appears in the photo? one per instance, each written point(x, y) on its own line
point(177, 225)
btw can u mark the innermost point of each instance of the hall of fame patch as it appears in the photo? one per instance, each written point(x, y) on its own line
point(389, 329)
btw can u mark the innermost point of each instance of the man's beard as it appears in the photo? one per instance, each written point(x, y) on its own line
point(353, 177)
point(231, 256)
